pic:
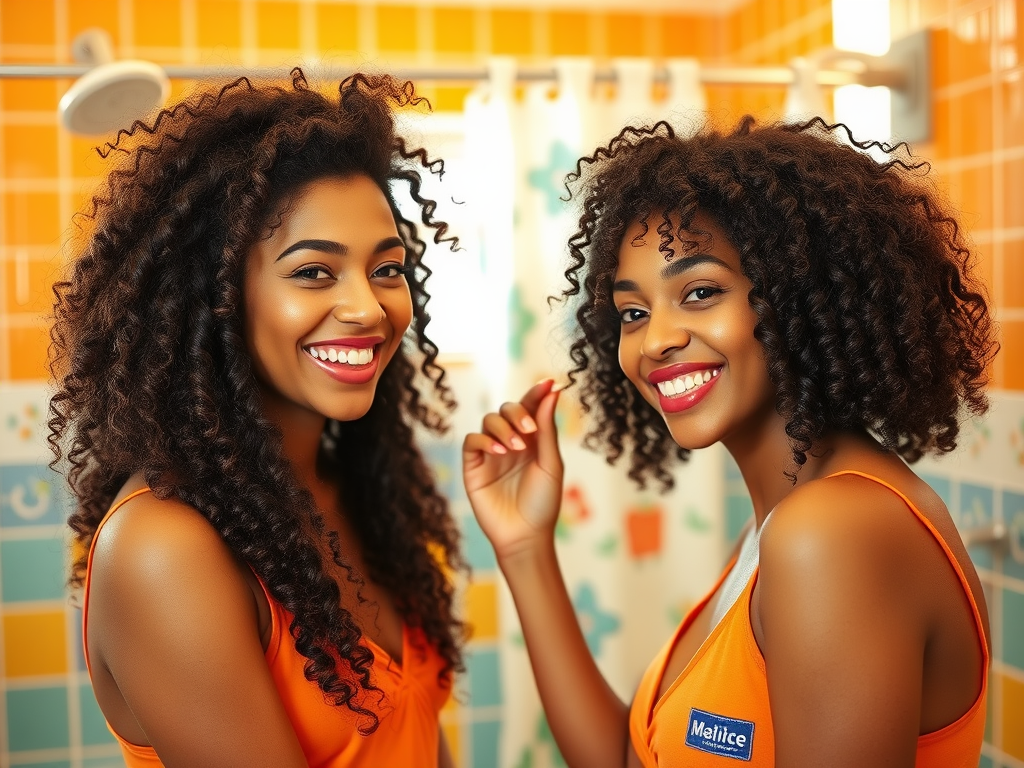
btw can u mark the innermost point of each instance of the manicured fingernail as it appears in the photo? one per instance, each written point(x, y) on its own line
point(559, 387)
point(517, 442)
point(498, 448)
point(528, 424)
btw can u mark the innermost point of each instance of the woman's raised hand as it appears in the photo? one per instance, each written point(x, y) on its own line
point(513, 472)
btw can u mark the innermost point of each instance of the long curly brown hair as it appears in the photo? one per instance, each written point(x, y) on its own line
point(153, 373)
point(868, 311)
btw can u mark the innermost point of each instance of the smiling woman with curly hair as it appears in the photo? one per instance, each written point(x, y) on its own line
point(241, 358)
point(781, 292)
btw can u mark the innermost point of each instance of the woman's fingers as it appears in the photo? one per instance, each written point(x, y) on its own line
point(502, 430)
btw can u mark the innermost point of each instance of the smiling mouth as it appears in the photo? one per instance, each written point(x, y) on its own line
point(352, 356)
point(686, 384)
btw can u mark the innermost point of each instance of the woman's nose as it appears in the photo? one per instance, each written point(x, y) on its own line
point(357, 303)
point(665, 334)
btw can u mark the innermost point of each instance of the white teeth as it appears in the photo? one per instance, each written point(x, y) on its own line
point(345, 356)
point(681, 384)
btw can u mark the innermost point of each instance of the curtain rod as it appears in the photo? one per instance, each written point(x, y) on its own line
point(709, 75)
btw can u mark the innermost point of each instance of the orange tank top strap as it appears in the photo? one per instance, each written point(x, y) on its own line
point(88, 568)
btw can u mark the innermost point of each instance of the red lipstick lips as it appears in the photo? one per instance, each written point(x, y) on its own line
point(342, 371)
point(682, 402)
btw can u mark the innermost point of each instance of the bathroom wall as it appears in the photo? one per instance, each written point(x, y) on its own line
point(47, 713)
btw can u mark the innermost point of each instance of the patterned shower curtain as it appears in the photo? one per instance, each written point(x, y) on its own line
point(634, 560)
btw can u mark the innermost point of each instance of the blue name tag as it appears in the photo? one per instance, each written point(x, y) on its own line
point(725, 736)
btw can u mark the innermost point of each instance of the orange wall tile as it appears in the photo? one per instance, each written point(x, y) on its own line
point(396, 28)
point(30, 23)
point(455, 30)
point(1012, 354)
point(83, 15)
point(277, 25)
point(1012, 282)
point(30, 151)
point(33, 218)
point(627, 34)
point(157, 24)
point(337, 27)
point(571, 33)
point(513, 32)
point(27, 350)
point(219, 24)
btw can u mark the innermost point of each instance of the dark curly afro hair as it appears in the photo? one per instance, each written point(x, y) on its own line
point(867, 309)
point(153, 374)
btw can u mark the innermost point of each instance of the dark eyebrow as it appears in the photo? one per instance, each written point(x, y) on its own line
point(672, 269)
point(329, 246)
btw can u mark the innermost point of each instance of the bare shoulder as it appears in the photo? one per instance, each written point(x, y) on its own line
point(846, 515)
point(151, 538)
point(162, 556)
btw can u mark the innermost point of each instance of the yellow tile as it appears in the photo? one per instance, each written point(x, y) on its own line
point(337, 27)
point(450, 98)
point(627, 35)
point(30, 151)
point(84, 14)
point(277, 25)
point(1013, 275)
point(1013, 716)
point(1012, 354)
point(157, 25)
point(29, 94)
point(451, 735)
point(1013, 193)
point(32, 218)
point(396, 28)
point(85, 160)
point(482, 609)
point(1012, 97)
point(24, 23)
point(512, 32)
point(570, 33)
point(219, 24)
point(35, 644)
point(28, 349)
point(455, 29)
point(976, 201)
point(972, 115)
point(28, 285)
point(970, 45)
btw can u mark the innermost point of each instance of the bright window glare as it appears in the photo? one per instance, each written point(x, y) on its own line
point(863, 26)
point(456, 285)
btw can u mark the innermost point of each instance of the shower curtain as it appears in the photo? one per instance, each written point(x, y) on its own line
point(634, 561)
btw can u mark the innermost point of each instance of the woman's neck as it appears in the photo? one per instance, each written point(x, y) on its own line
point(301, 431)
point(766, 458)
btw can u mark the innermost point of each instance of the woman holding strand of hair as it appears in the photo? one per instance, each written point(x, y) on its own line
point(780, 292)
point(241, 357)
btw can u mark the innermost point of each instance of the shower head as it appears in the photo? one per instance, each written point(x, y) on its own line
point(113, 93)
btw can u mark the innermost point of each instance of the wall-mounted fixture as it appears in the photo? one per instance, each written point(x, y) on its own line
point(905, 70)
point(111, 94)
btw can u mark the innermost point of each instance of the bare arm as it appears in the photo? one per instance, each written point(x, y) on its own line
point(842, 636)
point(513, 475)
point(174, 643)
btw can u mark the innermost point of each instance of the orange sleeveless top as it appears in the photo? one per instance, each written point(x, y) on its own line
point(413, 697)
point(717, 711)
